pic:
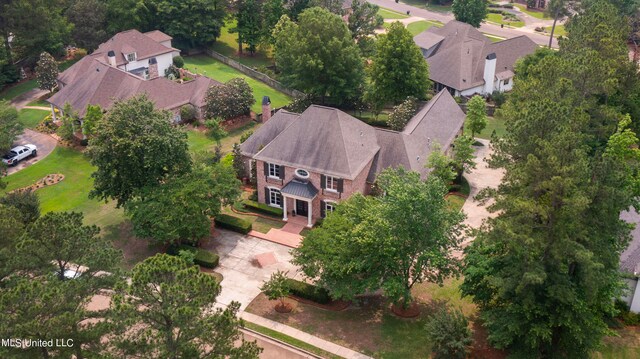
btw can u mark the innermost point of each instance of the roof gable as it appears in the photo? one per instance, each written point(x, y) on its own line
point(132, 41)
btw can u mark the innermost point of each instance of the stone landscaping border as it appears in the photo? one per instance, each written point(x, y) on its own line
point(48, 180)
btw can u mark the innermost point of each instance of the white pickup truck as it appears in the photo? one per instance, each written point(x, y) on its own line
point(19, 153)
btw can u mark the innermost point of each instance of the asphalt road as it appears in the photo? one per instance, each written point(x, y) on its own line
point(44, 143)
point(446, 17)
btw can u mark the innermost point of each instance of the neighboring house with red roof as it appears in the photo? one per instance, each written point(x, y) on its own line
point(308, 162)
point(465, 62)
point(130, 63)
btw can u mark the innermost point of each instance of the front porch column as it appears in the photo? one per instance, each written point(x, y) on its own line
point(309, 224)
point(284, 208)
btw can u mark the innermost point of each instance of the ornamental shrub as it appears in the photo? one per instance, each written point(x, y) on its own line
point(402, 114)
point(229, 100)
point(178, 62)
point(308, 291)
point(188, 113)
point(233, 223)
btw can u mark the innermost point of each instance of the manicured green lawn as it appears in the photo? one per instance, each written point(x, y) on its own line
point(198, 140)
point(17, 90)
point(218, 71)
point(390, 14)
point(498, 18)
point(42, 103)
point(455, 202)
point(559, 30)
point(227, 44)
point(71, 194)
point(419, 26)
point(536, 14)
point(494, 38)
point(492, 124)
point(30, 118)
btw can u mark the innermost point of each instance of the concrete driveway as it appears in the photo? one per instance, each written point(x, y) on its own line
point(480, 178)
point(243, 277)
point(43, 142)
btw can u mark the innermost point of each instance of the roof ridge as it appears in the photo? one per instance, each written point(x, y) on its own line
point(278, 135)
point(427, 107)
point(344, 145)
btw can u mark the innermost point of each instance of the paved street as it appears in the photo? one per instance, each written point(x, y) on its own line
point(491, 29)
point(43, 142)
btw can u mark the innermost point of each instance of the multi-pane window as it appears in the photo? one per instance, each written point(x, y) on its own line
point(131, 57)
point(331, 183)
point(274, 170)
point(275, 198)
point(329, 207)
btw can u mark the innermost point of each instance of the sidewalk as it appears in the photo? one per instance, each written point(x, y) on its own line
point(305, 337)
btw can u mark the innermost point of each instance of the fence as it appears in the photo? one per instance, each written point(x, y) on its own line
point(254, 74)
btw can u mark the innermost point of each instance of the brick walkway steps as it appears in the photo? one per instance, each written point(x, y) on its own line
point(305, 337)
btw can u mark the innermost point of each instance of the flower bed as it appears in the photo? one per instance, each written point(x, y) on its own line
point(48, 180)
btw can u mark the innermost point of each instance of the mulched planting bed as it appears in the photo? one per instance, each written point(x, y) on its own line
point(411, 312)
point(48, 180)
point(334, 305)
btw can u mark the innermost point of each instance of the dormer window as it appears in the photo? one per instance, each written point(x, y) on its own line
point(131, 57)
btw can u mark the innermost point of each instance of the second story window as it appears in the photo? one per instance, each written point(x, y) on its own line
point(331, 183)
point(274, 170)
point(131, 57)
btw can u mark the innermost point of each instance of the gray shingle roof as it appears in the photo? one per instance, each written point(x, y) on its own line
point(323, 140)
point(630, 257)
point(158, 36)
point(144, 45)
point(101, 84)
point(328, 141)
point(300, 189)
point(458, 61)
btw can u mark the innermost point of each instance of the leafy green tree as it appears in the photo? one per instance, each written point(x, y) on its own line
point(89, 19)
point(127, 14)
point(476, 115)
point(440, 165)
point(199, 195)
point(559, 9)
point(135, 147)
point(191, 22)
point(231, 99)
point(398, 68)
point(449, 332)
point(66, 128)
point(47, 72)
point(389, 242)
point(543, 271)
point(402, 114)
point(215, 130)
point(470, 11)
point(296, 7)
point(463, 158)
point(362, 22)
point(12, 228)
point(178, 320)
point(248, 24)
point(55, 248)
point(277, 287)
point(272, 11)
point(26, 202)
point(37, 26)
point(92, 117)
point(8, 71)
point(238, 162)
point(318, 55)
point(10, 127)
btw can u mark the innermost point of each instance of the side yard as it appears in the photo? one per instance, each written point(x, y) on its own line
point(216, 70)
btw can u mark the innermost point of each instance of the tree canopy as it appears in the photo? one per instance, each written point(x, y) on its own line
point(89, 19)
point(135, 147)
point(318, 56)
point(390, 242)
point(470, 11)
point(398, 68)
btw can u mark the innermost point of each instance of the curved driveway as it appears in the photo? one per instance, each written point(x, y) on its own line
point(43, 142)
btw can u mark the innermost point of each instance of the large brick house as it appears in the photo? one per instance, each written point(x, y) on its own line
point(306, 163)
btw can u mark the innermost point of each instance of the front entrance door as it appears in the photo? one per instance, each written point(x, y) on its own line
point(302, 208)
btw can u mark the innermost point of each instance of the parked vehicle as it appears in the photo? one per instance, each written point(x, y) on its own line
point(19, 153)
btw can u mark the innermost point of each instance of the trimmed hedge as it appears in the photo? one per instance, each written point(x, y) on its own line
point(233, 223)
point(308, 291)
point(263, 208)
point(203, 258)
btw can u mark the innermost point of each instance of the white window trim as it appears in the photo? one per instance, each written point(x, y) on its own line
point(279, 169)
point(333, 204)
point(301, 176)
point(135, 57)
point(282, 197)
point(326, 183)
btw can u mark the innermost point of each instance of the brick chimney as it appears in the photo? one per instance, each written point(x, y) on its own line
point(153, 68)
point(266, 108)
point(111, 55)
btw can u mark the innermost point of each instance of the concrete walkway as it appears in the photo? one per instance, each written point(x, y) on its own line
point(305, 337)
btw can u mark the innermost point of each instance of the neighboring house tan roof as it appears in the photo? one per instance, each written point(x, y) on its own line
point(129, 41)
point(101, 84)
point(459, 52)
point(630, 257)
point(328, 141)
point(158, 36)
